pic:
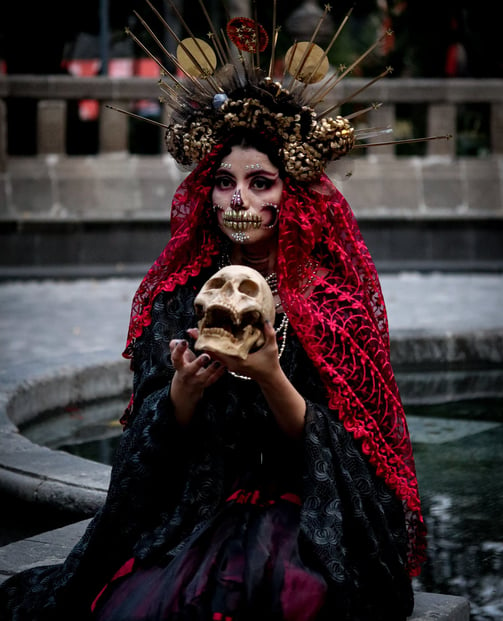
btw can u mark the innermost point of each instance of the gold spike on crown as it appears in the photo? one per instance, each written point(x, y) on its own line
point(210, 104)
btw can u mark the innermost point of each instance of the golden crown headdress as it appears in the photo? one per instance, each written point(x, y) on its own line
point(224, 89)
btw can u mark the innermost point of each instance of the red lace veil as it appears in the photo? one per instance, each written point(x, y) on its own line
point(342, 324)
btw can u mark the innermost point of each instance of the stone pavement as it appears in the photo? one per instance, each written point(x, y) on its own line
point(61, 340)
point(47, 324)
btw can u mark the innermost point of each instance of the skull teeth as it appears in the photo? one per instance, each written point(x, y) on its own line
point(228, 320)
point(219, 332)
point(241, 221)
point(222, 333)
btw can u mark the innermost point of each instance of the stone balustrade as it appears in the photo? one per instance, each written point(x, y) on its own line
point(440, 209)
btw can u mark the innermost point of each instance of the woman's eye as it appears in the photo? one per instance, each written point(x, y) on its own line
point(223, 183)
point(261, 183)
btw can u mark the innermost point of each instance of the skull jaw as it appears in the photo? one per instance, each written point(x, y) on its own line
point(221, 342)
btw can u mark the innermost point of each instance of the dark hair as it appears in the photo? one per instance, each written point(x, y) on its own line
point(247, 138)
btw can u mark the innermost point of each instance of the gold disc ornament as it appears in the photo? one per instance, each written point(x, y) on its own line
point(306, 62)
point(196, 57)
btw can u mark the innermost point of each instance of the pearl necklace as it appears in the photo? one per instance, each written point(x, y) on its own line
point(272, 280)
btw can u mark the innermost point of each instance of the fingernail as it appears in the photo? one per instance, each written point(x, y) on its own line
point(205, 359)
point(182, 343)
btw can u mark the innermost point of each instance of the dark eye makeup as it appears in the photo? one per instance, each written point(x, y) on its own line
point(262, 183)
point(258, 182)
point(224, 182)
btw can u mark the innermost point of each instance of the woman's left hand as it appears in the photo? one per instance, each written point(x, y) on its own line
point(258, 364)
point(287, 405)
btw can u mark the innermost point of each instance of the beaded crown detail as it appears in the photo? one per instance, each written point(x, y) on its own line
point(210, 103)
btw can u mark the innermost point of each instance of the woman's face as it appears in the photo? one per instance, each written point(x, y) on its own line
point(246, 196)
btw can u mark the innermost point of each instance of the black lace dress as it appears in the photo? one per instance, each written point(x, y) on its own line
point(228, 519)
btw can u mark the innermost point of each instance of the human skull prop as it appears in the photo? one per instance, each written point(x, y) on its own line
point(233, 306)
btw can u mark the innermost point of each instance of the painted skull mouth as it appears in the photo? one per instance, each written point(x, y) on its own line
point(223, 321)
point(241, 221)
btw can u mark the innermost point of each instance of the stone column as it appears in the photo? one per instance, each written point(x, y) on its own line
point(442, 121)
point(3, 135)
point(51, 126)
point(497, 128)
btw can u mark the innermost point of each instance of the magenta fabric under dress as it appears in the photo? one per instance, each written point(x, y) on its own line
point(245, 565)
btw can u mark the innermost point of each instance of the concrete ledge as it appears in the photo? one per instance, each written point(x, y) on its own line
point(47, 548)
point(54, 479)
point(121, 186)
point(44, 477)
point(53, 547)
point(396, 242)
point(82, 210)
point(438, 607)
point(470, 349)
point(77, 381)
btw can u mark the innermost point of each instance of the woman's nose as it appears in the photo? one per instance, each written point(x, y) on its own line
point(237, 200)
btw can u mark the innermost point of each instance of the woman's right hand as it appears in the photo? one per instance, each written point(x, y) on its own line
point(192, 375)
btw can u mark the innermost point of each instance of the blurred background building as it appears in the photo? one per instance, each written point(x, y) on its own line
point(431, 39)
point(81, 184)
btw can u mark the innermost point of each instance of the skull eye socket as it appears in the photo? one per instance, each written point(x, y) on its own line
point(215, 283)
point(250, 288)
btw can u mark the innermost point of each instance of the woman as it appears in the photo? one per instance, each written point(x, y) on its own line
point(240, 497)
point(281, 486)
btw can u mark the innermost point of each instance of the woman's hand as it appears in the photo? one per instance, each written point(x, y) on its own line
point(192, 375)
point(259, 364)
point(287, 405)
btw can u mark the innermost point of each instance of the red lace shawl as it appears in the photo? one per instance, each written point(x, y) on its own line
point(342, 325)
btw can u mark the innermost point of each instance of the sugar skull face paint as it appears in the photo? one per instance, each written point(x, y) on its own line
point(247, 195)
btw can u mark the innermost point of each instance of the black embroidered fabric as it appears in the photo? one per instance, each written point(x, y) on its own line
point(168, 483)
point(341, 323)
